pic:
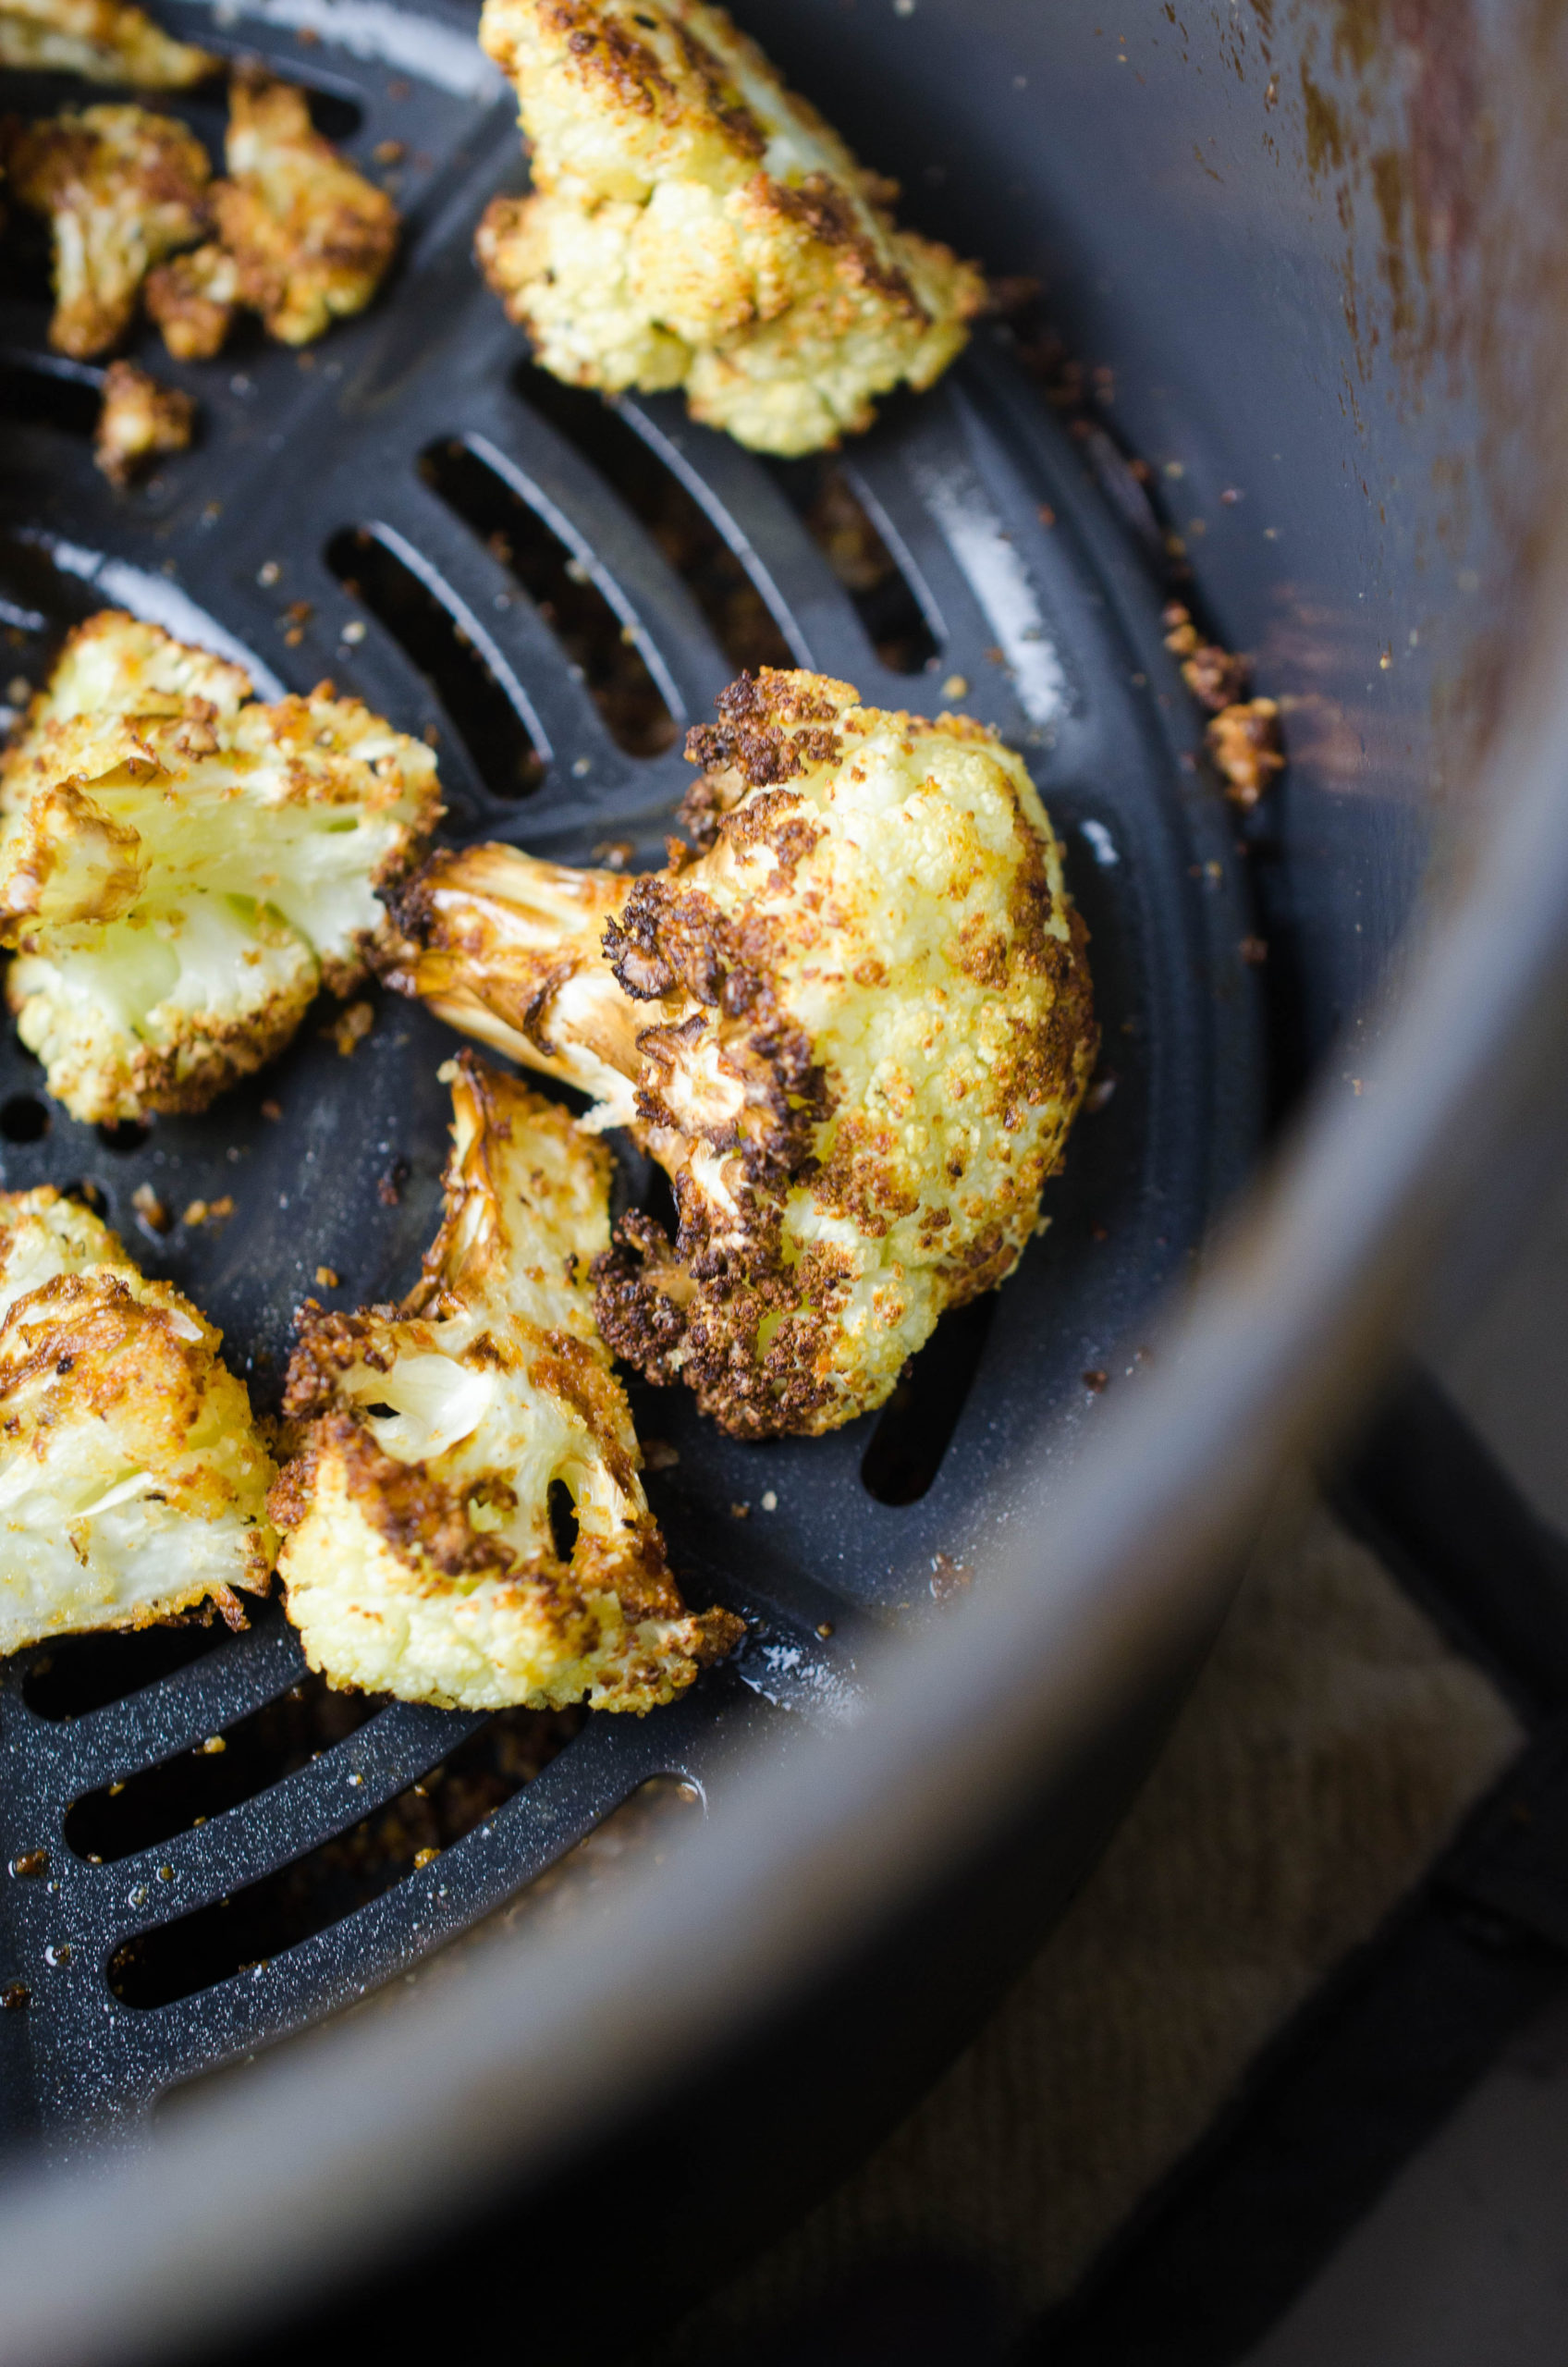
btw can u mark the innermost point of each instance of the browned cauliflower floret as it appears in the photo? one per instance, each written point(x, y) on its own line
point(139, 419)
point(855, 1031)
point(134, 1481)
point(183, 867)
point(310, 238)
point(192, 299)
point(100, 40)
point(694, 223)
point(420, 1557)
point(122, 188)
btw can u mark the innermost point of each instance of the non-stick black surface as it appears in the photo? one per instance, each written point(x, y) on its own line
point(555, 590)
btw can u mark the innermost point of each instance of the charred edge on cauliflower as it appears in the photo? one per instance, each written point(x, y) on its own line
point(855, 1030)
point(433, 1574)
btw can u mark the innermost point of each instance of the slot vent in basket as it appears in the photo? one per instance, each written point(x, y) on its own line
point(561, 583)
point(860, 548)
point(473, 683)
point(218, 1773)
point(918, 1421)
point(303, 1897)
point(684, 530)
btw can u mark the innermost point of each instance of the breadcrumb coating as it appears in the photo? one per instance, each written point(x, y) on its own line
point(310, 238)
point(122, 187)
point(420, 1557)
point(140, 420)
point(182, 867)
point(695, 224)
point(100, 40)
point(133, 1480)
point(855, 1030)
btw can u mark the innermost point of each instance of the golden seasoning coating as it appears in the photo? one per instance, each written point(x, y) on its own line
point(310, 238)
point(182, 867)
point(133, 1480)
point(420, 1557)
point(100, 40)
point(122, 188)
point(694, 223)
point(855, 1030)
point(193, 298)
point(140, 420)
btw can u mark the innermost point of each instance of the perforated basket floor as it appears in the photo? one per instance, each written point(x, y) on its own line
point(555, 590)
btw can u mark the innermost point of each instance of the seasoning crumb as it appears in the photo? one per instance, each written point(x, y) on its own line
point(1244, 744)
point(353, 633)
point(740, 1512)
point(426, 1857)
point(1253, 950)
point(115, 1789)
point(1045, 514)
point(201, 1212)
point(14, 1996)
point(29, 1863)
point(389, 1186)
point(151, 1212)
point(825, 1628)
point(212, 1748)
point(769, 1500)
point(1095, 1380)
point(351, 1026)
point(1099, 1092)
point(389, 152)
point(268, 573)
point(948, 1577)
point(273, 1110)
point(327, 1278)
point(614, 853)
point(956, 687)
point(659, 1455)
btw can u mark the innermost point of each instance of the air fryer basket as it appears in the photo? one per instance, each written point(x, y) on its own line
point(1264, 244)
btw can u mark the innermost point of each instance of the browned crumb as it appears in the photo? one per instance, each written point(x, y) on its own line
point(153, 1212)
point(201, 1212)
point(659, 1455)
point(273, 1110)
point(351, 1026)
point(327, 1278)
point(1244, 744)
point(140, 420)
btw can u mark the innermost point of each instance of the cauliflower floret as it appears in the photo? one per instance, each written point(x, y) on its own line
point(183, 867)
point(193, 298)
point(310, 238)
point(122, 188)
point(133, 1482)
point(420, 1558)
point(694, 223)
point(100, 40)
point(140, 420)
point(855, 1031)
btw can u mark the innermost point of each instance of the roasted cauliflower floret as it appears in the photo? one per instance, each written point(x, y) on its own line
point(183, 867)
point(420, 1558)
point(310, 238)
point(855, 1030)
point(694, 223)
point(193, 298)
point(140, 420)
point(134, 1481)
point(122, 188)
point(100, 40)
